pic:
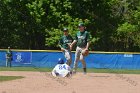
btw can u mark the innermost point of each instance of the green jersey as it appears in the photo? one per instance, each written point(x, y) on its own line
point(9, 54)
point(82, 38)
point(65, 41)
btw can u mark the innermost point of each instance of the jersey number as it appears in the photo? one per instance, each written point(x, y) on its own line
point(62, 67)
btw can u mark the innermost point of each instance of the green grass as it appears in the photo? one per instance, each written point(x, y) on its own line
point(25, 69)
point(117, 71)
point(91, 70)
point(8, 78)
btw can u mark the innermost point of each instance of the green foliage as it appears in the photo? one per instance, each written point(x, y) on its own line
point(126, 29)
point(36, 10)
point(127, 32)
point(125, 35)
point(37, 24)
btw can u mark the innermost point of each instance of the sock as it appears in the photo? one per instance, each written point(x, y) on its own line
point(85, 70)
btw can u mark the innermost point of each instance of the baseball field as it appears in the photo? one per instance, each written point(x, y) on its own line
point(40, 80)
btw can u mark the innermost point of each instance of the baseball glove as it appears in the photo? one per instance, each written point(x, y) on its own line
point(85, 52)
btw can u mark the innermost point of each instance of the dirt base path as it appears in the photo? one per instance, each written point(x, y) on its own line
point(43, 82)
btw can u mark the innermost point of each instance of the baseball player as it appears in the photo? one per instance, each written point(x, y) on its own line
point(61, 69)
point(64, 44)
point(83, 41)
point(8, 57)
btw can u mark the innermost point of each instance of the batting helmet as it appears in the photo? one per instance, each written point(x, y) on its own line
point(60, 61)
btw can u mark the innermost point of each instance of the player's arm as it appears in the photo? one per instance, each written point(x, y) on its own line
point(69, 69)
point(87, 46)
point(60, 44)
point(72, 38)
point(54, 72)
point(6, 55)
point(74, 42)
point(88, 41)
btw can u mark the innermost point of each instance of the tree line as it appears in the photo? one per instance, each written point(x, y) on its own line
point(37, 24)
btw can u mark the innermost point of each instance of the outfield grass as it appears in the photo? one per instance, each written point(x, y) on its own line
point(25, 69)
point(91, 70)
point(8, 78)
point(117, 71)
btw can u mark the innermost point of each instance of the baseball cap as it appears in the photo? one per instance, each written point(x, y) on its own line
point(81, 24)
point(65, 29)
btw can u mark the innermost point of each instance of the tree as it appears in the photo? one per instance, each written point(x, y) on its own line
point(37, 24)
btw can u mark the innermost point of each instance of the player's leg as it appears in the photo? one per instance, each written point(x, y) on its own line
point(68, 57)
point(83, 62)
point(69, 74)
point(10, 62)
point(77, 56)
point(55, 74)
point(6, 62)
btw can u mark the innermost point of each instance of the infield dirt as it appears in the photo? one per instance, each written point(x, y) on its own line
point(43, 82)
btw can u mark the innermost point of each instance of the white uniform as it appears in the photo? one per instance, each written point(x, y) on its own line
point(61, 70)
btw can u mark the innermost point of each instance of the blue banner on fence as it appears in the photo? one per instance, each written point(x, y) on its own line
point(2, 58)
point(93, 60)
point(21, 57)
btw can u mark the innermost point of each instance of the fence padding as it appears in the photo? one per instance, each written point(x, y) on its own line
point(93, 60)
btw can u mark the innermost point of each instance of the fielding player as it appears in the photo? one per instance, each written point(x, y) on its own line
point(61, 69)
point(64, 44)
point(8, 57)
point(83, 41)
